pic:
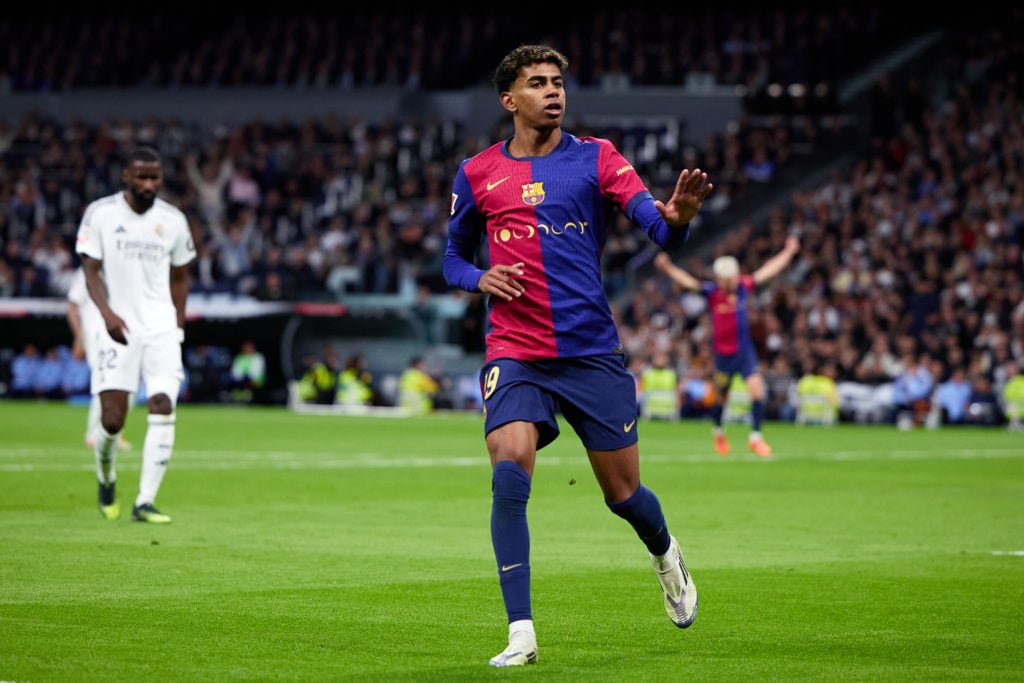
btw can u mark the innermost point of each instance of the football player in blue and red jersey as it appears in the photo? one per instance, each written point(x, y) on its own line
point(728, 297)
point(535, 209)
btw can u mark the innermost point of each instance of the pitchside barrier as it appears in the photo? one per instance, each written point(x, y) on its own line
point(388, 332)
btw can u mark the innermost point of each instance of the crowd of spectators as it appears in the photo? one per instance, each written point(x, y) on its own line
point(911, 258)
point(325, 206)
point(445, 47)
point(52, 373)
point(315, 209)
point(909, 281)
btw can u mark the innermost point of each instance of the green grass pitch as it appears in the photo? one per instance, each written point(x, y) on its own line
point(316, 548)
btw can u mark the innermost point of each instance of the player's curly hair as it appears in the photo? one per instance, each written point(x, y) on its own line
point(525, 55)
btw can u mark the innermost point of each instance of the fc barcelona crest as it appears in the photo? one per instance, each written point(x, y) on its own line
point(533, 193)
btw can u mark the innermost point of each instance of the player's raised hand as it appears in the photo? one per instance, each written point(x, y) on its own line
point(501, 281)
point(691, 189)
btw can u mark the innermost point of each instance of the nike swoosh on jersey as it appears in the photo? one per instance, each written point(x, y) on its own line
point(628, 427)
point(491, 186)
point(508, 567)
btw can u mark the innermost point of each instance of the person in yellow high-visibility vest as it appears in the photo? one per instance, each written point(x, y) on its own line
point(818, 396)
point(416, 388)
point(659, 393)
point(1013, 397)
point(355, 383)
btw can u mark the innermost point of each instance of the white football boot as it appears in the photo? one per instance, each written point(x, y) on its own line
point(677, 584)
point(522, 649)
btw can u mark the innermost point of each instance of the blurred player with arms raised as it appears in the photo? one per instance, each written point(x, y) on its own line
point(728, 297)
point(136, 249)
point(540, 201)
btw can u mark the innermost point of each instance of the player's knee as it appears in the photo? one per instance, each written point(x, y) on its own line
point(163, 394)
point(160, 405)
point(112, 421)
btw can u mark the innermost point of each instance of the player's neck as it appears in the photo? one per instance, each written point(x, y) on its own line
point(532, 142)
point(134, 205)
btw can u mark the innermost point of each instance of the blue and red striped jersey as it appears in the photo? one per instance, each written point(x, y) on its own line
point(730, 323)
point(551, 214)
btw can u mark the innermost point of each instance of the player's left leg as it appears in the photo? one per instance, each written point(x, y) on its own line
point(608, 430)
point(163, 373)
point(157, 449)
point(756, 442)
point(618, 473)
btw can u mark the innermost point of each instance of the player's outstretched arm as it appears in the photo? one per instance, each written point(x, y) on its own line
point(777, 263)
point(692, 187)
point(679, 276)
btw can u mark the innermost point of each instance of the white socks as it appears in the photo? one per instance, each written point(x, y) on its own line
point(521, 625)
point(106, 455)
point(156, 451)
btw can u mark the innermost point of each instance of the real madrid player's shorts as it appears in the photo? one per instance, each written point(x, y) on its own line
point(156, 358)
point(595, 394)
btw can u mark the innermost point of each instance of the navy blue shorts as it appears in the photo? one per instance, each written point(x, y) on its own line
point(743, 364)
point(595, 394)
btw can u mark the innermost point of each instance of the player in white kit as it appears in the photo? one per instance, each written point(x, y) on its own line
point(85, 322)
point(136, 249)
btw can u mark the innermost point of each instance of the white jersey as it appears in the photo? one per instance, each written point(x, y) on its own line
point(78, 294)
point(137, 251)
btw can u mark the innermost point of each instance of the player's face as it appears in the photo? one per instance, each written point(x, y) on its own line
point(538, 96)
point(144, 179)
point(729, 284)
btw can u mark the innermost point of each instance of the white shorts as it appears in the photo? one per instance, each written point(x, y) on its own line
point(152, 358)
point(91, 338)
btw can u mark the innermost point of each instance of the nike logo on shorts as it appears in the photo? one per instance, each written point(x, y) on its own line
point(629, 427)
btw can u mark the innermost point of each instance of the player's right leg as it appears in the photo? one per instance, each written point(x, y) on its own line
point(520, 418)
point(113, 408)
point(721, 380)
point(522, 645)
point(512, 453)
point(114, 377)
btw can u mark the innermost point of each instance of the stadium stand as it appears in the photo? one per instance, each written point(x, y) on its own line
point(892, 156)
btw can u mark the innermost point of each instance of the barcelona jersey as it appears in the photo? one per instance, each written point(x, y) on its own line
point(551, 213)
point(730, 323)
